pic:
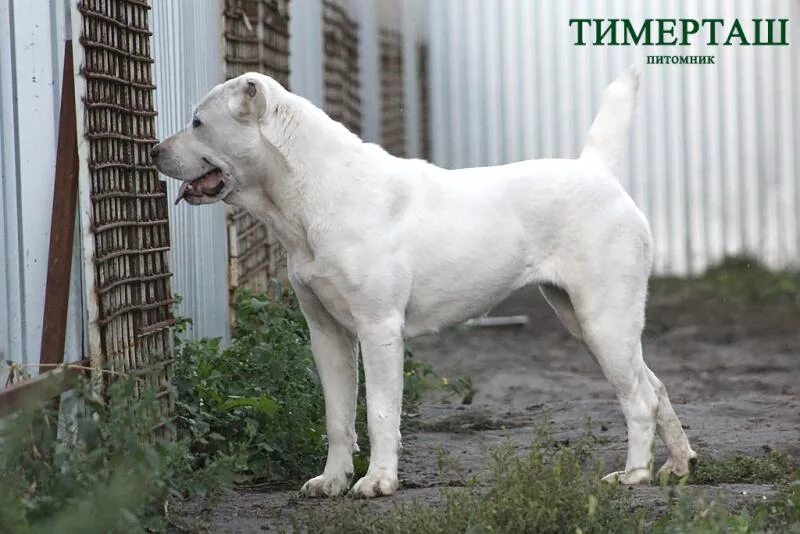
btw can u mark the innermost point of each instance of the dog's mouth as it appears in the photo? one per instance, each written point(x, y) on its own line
point(209, 186)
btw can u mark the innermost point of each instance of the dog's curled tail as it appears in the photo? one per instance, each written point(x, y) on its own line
point(608, 135)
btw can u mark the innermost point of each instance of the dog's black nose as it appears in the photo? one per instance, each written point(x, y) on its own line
point(154, 151)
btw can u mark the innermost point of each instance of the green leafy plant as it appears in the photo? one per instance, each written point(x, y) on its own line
point(420, 377)
point(100, 470)
point(258, 400)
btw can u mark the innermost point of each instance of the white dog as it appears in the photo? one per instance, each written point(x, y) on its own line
point(381, 249)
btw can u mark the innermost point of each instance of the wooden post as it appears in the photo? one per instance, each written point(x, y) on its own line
point(62, 225)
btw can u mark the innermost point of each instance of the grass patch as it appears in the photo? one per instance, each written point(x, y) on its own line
point(732, 469)
point(780, 514)
point(738, 279)
point(556, 488)
point(546, 490)
point(253, 412)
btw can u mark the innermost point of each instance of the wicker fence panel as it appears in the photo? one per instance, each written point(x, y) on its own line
point(242, 44)
point(342, 100)
point(129, 219)
point(256, 40)
point(424, 103)
point(393, 122)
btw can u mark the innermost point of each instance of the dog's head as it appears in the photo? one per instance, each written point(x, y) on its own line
point(221, 150)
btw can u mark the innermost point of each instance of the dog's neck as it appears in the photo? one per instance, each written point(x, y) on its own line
point(306, 136)
point(274, 197)
point(301, 147)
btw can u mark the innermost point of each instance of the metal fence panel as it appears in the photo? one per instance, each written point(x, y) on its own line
point(188, 63)
point(713, 159)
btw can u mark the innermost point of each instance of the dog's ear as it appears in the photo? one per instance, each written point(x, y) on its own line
point(248, 98)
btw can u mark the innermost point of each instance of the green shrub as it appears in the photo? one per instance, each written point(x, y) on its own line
point(101, 472)
point(258, 400)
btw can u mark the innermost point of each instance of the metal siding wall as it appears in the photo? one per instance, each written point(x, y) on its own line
point(31, 62)
point(306, 50)
point(712, 159)
point(187, 40)
point(365, 13)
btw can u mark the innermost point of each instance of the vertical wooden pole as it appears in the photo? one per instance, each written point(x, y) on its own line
point(62, 226)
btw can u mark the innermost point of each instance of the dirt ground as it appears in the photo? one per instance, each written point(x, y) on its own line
point(732, 372)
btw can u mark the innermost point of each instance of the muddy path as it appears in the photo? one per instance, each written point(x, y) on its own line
point(732, 372)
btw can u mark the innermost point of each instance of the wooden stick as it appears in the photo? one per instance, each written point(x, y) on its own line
point(62, 224)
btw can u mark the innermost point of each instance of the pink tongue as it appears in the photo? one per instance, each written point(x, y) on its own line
point(206, 184)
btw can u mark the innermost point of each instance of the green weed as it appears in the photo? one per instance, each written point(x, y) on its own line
point(768, 469)
point(546, 490)
point(780, 514)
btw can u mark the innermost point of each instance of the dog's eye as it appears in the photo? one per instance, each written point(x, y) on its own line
point(196, 123)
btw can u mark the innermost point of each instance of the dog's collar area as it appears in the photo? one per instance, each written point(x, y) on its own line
point(209, 185)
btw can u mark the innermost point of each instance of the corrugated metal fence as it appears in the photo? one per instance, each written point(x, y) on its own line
point(714, 156)
point(188, 63)
point(31, 58)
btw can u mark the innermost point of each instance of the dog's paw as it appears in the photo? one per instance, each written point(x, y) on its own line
point(375, 484)
point(679, 467)
point(326, 486)
point(634, 476)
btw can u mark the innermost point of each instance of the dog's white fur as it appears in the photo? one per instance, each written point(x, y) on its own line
point(381, 249)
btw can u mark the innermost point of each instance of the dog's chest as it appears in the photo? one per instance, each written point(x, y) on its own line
point(327, 290)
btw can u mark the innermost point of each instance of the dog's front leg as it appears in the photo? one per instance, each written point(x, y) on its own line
point(382, 355)
point(336, 355)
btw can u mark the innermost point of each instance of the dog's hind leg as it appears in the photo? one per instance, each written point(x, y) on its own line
point(671, 432)
point(611, 316)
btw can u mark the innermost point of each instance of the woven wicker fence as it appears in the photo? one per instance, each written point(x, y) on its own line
point(129, 206)
point(256, 40)
point(393, 122)
point(424, 102)
point(342, 100)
